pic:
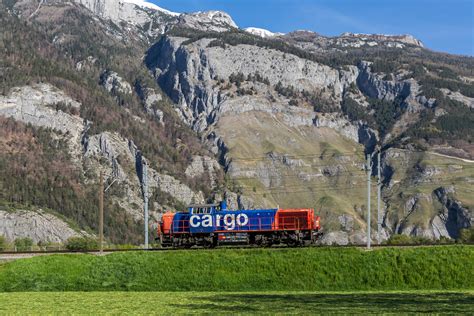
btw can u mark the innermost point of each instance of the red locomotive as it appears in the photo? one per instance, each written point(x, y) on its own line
point(211, 225)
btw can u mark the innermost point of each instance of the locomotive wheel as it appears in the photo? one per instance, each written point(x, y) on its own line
point(209, 245)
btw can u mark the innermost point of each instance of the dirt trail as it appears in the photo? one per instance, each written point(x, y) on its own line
point(37, 9)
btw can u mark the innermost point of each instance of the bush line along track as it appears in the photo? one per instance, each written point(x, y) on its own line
point(108, 251)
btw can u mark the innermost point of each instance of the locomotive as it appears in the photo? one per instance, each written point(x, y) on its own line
point(213, 224)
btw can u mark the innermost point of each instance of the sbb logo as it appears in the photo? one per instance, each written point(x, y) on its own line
point(229, 221)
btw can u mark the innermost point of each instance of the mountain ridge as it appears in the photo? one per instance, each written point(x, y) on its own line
point(219, 113)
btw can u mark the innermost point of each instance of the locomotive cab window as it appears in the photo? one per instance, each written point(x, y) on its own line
point(201, 210)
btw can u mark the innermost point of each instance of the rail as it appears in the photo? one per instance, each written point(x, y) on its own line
point(225, 247)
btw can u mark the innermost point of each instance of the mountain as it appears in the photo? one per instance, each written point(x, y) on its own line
point(215, 112)
point(261, 32)
point(145, 4)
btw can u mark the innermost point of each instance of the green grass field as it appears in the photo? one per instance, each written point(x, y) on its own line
point(242, 270)
point(244, 281)
point(145, 303)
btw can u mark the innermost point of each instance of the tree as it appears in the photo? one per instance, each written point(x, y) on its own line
point(23, 244)
point(466, 235)
point(81, 243)
point(3, 243)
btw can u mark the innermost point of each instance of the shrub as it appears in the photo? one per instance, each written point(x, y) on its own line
point(445, 240)
point(23, 244)
point(81, 243)
point(3, 243)
point(407, 240)
point(466, 235)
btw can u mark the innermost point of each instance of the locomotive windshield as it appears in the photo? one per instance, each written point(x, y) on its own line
point(207, 208)
point(203, 209)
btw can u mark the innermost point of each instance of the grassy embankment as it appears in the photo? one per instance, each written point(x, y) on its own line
point(440, 268)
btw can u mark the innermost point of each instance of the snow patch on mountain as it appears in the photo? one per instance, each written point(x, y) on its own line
point(261, 32)
point(152, 6)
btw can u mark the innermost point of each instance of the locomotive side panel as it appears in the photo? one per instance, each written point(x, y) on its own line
point(294, 219)
point(181, 223)
point(202, 223)
point(245, 220)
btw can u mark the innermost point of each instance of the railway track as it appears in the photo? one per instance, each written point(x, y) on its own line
point(109, 251)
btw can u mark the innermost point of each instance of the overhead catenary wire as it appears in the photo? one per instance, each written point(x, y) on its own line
point(308, 191)
point(280, 176)
point(341, 175)
point(338, 187)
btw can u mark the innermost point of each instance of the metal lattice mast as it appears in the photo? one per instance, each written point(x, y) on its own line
point(369, 169)
point(379, 198)
point(101, 212)
point(145, 200)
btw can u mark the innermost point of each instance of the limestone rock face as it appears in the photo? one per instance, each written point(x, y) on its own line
point(369, 39)
point(37, 225)
point(433, 214)
point(454, 216)
point(188, 73)
point(86, 64)
point(375, 87)
point(139, 15)
point(314, 42)
point(459, 97)
point(32, 104)
point(335, 238)
point(150, 98)
point(413, 206)
point(340, 124)
point(36, 105)
point(408, 91)
point(238, 202)
point(202, 165)
point(113, 83)
point(214, 21)
point(134, 13)
point(127, 165)
point(346, 221)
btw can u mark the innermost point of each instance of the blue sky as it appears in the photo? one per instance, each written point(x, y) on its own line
point(442, 25)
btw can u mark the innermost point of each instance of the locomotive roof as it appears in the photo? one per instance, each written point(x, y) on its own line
point(203, 205)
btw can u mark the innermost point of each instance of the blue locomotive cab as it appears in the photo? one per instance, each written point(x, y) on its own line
point(202, 218)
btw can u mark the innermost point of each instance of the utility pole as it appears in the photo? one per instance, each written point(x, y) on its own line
point(369, 171)
point(145, 200)
point(101, 213)
point(379, 193)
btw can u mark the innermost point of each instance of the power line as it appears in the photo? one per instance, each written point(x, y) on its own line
point(307, 190)
point(313, 187)
point(292, 156)
point(301, 177)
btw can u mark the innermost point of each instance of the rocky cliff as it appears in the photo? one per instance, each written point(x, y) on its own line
point(197, 94)
point(241, 115)
point(214, 112)
point(38, 225)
